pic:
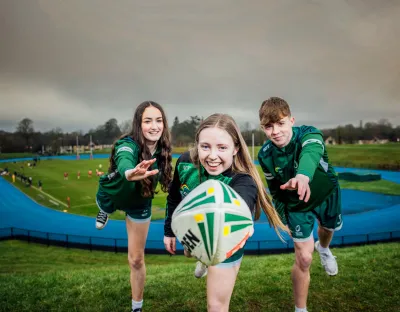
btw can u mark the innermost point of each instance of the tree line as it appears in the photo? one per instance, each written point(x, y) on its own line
point(26, 139)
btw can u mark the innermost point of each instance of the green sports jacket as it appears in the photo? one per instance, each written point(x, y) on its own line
point(187, 177)
point(305, 154)
point(127, 194)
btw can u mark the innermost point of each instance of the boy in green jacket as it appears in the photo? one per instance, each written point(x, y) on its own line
point(304, 186)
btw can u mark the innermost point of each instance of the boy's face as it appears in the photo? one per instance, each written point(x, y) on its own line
point(280, 133)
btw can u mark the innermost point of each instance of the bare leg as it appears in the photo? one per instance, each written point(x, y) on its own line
point(220, 284)
point(325, 236)
point(137, 235)
point(301, 271)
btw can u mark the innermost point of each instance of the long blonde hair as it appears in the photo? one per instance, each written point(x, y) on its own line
point(242, 163)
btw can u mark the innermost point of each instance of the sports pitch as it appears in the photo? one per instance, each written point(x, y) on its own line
point(82, 191)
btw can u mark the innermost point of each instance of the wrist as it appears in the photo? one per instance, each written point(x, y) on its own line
point(303, 176)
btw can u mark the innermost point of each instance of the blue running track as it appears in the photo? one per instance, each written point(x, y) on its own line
point(367, 217)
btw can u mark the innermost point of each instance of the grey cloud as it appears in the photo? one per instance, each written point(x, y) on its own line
point(83, 62)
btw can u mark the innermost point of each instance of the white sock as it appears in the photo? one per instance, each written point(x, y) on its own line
point(323, 250)
point(137, 304)
point(300, 309)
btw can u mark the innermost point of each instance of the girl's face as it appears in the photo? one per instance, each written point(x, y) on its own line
point(152, 124)
point(216, 150)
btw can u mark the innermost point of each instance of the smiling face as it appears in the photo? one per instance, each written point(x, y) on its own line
point(152, 124)
point(280, 133)
point(216, 150)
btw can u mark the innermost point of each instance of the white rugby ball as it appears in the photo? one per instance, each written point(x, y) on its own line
point(212, 222)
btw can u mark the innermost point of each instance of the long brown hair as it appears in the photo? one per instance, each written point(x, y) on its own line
point(164, 143)
point(242, 163)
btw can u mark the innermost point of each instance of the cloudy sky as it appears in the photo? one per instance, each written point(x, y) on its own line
point(76, 63)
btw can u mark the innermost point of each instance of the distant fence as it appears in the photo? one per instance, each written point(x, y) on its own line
point(157, 247)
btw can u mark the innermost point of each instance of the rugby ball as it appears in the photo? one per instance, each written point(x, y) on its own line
point(212, 222)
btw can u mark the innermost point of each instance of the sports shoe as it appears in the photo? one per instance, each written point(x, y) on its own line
point(101, 220)
point(328, 261)
point(137, 310)
point(201, 270)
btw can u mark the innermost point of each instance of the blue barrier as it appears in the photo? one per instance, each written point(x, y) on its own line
point(368, 217)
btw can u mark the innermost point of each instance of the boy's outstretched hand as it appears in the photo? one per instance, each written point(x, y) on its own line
point(299, 183)
point(140, 171)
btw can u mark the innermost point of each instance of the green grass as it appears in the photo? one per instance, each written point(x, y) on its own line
point(82, 192)
point(372, 156)
point(39, 278)
point(381, 186)
point(16, 155)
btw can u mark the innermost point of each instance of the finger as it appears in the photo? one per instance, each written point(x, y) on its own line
point(300, 191)
point(143, 164)
point(173, 245)
point(171, 249)
point(168, 248)
point(308, 190)
point(293, 184)
point(149, 161)
point(146, 164)
point(285, 186)
point(150, 173)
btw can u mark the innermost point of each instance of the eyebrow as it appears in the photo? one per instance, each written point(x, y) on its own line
point(218, 144)
point(152, 118)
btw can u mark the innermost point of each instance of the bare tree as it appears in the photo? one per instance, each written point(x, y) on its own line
point(25, 129)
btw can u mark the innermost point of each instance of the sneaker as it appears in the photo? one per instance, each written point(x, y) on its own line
point(201, 270)
point(101, 220)
point(137, 310)
point(328, 261)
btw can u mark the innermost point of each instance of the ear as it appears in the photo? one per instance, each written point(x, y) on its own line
point(235, 151)
point(292, 120)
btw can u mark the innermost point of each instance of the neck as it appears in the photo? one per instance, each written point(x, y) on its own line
point(152, 146)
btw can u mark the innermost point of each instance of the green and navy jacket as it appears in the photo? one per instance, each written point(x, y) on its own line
point(123, 193)
point(187, 177)
point(305, 154)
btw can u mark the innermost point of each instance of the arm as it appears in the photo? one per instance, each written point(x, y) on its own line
point(126, 157)
point(173, 199)
point(310, 155)
point(245, 186)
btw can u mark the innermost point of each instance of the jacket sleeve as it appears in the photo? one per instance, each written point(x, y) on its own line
point(126, 156)
point(173, 199)
point(274, 189)
point(310, 155)
point(245, 186)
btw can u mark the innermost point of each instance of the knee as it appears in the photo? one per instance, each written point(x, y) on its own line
point(136, 262)
point(303, 260)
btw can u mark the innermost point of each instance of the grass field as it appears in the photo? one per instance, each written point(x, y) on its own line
point(39, 278)
point(372, 156)
point(82, 191)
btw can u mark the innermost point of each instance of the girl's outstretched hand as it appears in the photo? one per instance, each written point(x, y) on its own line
point(140, 171)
